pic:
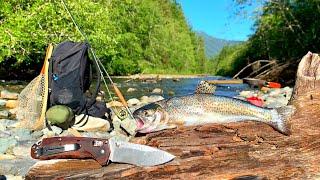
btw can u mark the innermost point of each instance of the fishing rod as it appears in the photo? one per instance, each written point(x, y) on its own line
point(99, 63)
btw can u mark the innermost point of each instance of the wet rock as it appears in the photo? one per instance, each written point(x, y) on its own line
point(9, 95)
point(11, 104)
point(175, 79)
point(6, 143)
point(133, 102)
point(157, 91)
point(3, 102)
point(22, 134)
point(171, 93)
point(131, 90)
point(154, 98)
point(4, 114)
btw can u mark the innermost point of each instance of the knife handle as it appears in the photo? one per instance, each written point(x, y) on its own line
point(58, 148)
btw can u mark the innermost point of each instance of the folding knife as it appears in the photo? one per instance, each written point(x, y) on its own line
point(102, 150)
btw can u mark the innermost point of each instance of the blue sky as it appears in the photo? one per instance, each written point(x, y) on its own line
point(217, 18)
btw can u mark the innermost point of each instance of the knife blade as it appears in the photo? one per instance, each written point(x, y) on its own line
point(102, 150)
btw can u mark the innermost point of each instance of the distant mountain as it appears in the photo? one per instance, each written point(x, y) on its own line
point(214, 45)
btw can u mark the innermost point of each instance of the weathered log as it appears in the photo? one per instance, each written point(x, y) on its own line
point(227, 151)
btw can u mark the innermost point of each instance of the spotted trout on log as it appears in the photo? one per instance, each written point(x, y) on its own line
point(202, 108)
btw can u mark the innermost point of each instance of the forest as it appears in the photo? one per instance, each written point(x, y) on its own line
point(150, 36)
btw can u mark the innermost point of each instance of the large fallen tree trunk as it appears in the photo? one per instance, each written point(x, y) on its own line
point(225, 151)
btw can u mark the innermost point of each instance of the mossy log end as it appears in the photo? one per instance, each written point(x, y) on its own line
point(227, 151)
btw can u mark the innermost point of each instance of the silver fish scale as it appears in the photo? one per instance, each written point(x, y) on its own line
point(217, 108)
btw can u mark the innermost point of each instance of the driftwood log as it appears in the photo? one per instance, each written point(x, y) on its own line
point(228, 151)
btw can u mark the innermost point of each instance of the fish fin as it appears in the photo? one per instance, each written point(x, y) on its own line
point(205, 88)
point(280, 122)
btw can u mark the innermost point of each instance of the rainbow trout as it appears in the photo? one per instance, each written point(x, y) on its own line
point(200, 109)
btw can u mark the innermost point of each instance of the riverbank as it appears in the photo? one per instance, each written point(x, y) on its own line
point(162, 76)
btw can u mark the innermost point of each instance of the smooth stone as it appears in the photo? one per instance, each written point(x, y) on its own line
point(157, 91)
point(11, 104)
point(113, 103)
point(144, 99)
point(13, 111)
point(7, 122)
point(3, 102)
point(246, 94)
point(18, 167)
point(104, 135)
point(133, 102)
point(131, 90)
point(154, 98)
point(129, 125)
point(22, 150)
point(171, 93)
point(3, 127)
point(37, 134)
point(275, 92)
point(6, 143)
point(4, 114)
point(55, 131)
point(22, 134)
point(9, 95)
point(12, 177)
point(92, 124)
point(116, 135)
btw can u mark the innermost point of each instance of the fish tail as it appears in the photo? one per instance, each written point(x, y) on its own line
point(281, 117)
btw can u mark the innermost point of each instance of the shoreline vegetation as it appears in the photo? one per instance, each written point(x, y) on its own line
point(162, 76)
point(155, 38)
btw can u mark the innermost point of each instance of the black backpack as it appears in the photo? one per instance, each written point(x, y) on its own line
point(70, 75)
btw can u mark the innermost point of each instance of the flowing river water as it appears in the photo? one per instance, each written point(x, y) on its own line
point(144, 87)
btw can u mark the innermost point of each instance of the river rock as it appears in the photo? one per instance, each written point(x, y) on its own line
point(154, 98)
point(6, 143)
point(22, 150)
point(157, 91)
point(5, 123)
point(11, 104)
point(9, 95)
point(133, 102)
point(37, 134)
point(22, 134)
point(18, 167)
point(12, 177)
point(113, 103)
point(92, 124)
point(55, 131)
point(4, 114)
point(131, 90)
point(246, 94)
point(3, 102)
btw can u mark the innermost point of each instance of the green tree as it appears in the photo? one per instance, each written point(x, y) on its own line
point(129, 36)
